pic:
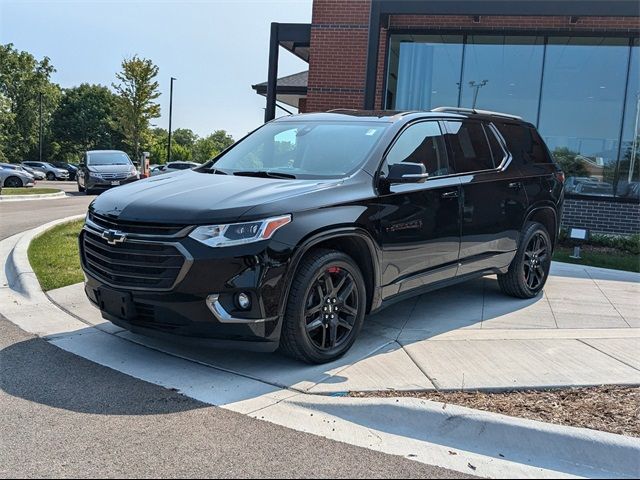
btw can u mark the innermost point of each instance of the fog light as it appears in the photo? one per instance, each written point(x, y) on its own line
point(243, 300)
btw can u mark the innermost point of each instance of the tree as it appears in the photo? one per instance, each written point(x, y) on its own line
point(22, 80)
point(569, 162)
point(184, 137)
point(84, 120)
point(137, 89)
point(208, 147)
point(157, 145)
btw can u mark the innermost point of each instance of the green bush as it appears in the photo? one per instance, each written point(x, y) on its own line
point(629, 244)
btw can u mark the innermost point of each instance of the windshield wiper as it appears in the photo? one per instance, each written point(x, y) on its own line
point(264, 174)
point(213, 171)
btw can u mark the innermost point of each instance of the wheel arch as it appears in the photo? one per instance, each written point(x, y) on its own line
point(10, 177)
point(355, 242)
point(547, 215)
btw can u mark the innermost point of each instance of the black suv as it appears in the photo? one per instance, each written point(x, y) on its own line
point(292, 235)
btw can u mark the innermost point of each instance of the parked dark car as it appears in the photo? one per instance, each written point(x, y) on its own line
point(103, 169)
point(290, 237)
point(72, 169)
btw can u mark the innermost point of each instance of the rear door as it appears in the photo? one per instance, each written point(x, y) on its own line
point(494, 202)
point(420, 222)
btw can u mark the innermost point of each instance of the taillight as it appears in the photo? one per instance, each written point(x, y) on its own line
point(560, 177)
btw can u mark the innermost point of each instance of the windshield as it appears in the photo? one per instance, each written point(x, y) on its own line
point(108, 158)
point(302, 149)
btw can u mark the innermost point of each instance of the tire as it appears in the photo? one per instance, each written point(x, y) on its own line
point(13, 182)
point(50, 176)
point(334, 333)
point(530, 267)
point(80, 189)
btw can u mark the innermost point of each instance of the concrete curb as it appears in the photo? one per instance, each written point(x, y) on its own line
point(424, 431)
point(38, 196)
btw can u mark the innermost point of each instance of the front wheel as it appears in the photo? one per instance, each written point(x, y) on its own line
point(325, 308)
point(13, 182)
point(51, 176)
point(80, 189)
point(530, 267)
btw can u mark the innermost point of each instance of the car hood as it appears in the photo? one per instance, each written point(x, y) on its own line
point(190, 197)
point(108, 168)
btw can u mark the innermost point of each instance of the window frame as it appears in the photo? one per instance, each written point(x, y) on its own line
point(506, 159)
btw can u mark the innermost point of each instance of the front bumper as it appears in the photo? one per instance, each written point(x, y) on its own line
point(95, 183)
point(200, 305)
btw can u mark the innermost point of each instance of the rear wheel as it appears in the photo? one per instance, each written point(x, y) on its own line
point(530, 267)
point(13, 182)
point(325, 309)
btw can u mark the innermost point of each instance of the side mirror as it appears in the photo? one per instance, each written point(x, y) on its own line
point(407, 173)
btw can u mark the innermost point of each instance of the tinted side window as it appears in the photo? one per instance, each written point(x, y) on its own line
point(496, 147)
point(421, 143)
point(524, 143)
point(469, 147)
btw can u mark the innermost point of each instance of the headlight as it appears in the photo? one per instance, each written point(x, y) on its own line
point(239, 233)
point(95, 175)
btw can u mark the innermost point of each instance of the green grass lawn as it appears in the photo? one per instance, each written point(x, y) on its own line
point(617, 260)
point(28, 191)
point(55, 258)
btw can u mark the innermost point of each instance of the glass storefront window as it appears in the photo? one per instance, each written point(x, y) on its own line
point(581, 109)
point(505, 72)
point(628, 184)
point(424, 71)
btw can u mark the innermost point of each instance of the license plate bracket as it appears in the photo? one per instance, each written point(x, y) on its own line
point(118, 304)
point(115, 182)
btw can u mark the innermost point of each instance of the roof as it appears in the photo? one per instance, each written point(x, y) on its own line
point(296, 83)
point(390, 116)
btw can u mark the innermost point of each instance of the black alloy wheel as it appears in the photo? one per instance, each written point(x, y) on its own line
point(325, 307)
point(535, 260)
point(530, 267)
point(331, 308)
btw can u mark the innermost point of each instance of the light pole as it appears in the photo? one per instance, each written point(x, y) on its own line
point(477, 86)
point(170, 114)
point(40, 129)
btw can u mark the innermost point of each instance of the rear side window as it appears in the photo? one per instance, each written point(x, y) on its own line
point(469, 146)
point(496, 148)
point(421, 143)
point(524, 143)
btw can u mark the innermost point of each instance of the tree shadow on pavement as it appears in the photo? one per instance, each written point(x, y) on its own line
point(39, 372)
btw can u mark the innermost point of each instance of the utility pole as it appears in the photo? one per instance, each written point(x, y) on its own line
point(477, 86)
point(170, 114)
point(40, 134)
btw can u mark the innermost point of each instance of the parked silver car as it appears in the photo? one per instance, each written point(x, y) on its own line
point(51, 172)
point(11, 176)
point(37, 174)
point(173, 167)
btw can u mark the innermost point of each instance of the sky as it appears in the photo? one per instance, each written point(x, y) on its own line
point(216, 49)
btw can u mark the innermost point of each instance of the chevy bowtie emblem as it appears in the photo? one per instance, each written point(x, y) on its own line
point(113, 236)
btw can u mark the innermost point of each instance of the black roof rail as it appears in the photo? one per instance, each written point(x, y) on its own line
point(473, 110)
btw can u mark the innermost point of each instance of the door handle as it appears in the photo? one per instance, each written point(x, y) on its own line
point(516, 185)
point(452, 194)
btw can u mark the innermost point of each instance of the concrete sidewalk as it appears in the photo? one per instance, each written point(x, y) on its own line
point(584, 330)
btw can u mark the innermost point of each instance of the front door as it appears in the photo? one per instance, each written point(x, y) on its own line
point(419, 222)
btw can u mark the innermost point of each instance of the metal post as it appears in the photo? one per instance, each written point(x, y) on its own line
point(272, 78)
point(170, 114)
point(40, 134)
point(477, 86)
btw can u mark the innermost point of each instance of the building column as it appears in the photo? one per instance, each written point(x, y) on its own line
point(272, 78)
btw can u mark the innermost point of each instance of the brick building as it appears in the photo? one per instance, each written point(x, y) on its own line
point(571, 67)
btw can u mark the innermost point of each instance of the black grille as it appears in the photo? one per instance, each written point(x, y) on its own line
point(131, 264)
point(140, 228)
point(148, 317)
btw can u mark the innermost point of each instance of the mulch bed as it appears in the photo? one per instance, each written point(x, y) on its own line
point(608, 409)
